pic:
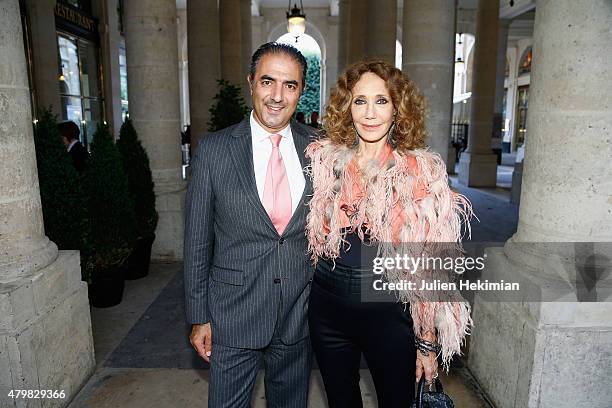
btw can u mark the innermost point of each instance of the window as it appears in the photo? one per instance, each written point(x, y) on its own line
point(521, 113)
point(79, 84)
point(123, 81)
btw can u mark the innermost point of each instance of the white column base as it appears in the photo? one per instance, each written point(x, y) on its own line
point(478, 170)
point(45, 333)
point(168, 245)
point(540, 354)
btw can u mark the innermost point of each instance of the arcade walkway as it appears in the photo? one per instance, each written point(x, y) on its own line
point(144, 358)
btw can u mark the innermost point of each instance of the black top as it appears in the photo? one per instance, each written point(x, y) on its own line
point(351, 254)
point(351, 273)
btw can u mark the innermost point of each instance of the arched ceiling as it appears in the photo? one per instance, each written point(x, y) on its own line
point(516, 12)
point(182, 4)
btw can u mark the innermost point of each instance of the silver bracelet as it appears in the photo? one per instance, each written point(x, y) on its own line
point(425, 346)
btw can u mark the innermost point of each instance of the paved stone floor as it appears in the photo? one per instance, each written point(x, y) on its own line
point(144, 358)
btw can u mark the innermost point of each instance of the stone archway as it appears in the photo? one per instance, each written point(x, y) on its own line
point(281, 28)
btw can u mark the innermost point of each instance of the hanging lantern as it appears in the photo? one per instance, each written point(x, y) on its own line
point(296, 19)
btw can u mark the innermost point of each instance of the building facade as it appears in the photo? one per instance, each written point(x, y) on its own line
point(522, 77)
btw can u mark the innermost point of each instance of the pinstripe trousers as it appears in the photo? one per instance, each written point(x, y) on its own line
point(286, 374)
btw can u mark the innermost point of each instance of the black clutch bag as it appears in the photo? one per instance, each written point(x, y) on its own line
point(432, 399)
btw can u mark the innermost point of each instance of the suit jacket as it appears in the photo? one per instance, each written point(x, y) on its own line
point(240, 275)
point(79, 155)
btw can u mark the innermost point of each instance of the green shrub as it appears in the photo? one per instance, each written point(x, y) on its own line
point(61, 194)
point(309, 102)
point(112, 223)
point(140, 182)
point(229, 107)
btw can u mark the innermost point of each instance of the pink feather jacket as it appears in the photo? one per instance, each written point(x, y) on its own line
point(400, 198)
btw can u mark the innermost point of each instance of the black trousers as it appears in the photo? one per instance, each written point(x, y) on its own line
point(342, 327)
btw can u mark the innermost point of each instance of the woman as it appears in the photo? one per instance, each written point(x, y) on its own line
point(375, 184)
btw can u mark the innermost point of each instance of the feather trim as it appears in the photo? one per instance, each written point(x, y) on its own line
point(412, 188)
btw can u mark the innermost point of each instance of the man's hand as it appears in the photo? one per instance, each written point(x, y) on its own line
point(201, 340)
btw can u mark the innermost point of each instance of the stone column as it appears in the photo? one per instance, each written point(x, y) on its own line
point(477, 165)
point(183, 65)
point(24, 246)
point(517, 172)
point(344, 11)
point(381, 30)
point(329, 67)
point(152, 65)
point(246, 48)
point(45, 327)
point(428, 59)
point(500, 75)
point(368, 30)
point(537, 354)
point(512, 96)
point(204, 56)
point(44, 54)
point(230, 35)
point(111, 40)
point(356, 43)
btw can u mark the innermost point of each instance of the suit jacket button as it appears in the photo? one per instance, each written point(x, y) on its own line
point(277, 280)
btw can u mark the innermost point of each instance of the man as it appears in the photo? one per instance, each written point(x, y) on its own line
point(314, 120)
point(300, 117)
point(70, 135)
point(247, 273)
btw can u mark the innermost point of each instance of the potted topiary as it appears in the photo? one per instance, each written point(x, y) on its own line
point(141, 188)
point(112, 223)
point(229, 107)
point(61, 195)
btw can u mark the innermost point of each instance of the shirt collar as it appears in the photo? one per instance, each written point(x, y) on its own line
point(260, 134)
point(72, 144)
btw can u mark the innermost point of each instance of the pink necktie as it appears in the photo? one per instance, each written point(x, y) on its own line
point(277, 195)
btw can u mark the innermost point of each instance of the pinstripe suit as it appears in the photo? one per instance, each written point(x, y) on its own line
point(240, 275)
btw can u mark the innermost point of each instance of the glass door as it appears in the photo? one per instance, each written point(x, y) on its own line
point(79, 84)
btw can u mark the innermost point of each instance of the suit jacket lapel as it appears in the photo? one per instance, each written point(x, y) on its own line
point(300, 140)
point(242, 155)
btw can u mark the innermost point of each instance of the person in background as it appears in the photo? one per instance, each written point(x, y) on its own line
point(70, 135)
point(314, 120)
point(300, 117)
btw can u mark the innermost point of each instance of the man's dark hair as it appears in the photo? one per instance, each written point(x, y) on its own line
point(277, 48)
point(69, 130)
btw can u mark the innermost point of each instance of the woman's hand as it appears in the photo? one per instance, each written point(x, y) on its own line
point(427, 365)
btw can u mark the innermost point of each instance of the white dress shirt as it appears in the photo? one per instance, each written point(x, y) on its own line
point(262, 149)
